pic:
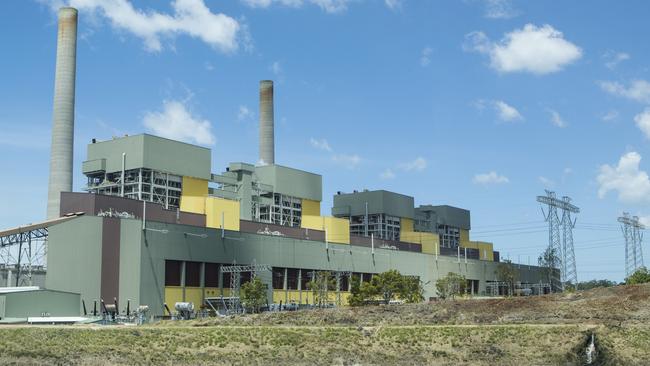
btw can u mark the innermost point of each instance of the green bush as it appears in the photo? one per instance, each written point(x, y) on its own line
point(640, 276)
point(253, 295)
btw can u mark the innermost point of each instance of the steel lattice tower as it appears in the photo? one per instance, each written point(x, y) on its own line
point(631, 228)
point(571, 274)
point(562, 245)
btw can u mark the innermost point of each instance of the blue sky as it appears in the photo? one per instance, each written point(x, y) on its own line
point(477, 103)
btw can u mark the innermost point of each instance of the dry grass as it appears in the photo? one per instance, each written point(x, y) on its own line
point(548, 330)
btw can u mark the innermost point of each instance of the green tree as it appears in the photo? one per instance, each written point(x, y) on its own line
point(320, 285)
point(356, 297)
point(508, 273)
point(641, 275)
point(411, 290)
point(550, 262)
point(450, 286)
point(387, 284)
point(253, 295)
point(588, 285)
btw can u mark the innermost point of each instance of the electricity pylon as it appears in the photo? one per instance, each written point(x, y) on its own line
point(561, 246)
point(631, 228)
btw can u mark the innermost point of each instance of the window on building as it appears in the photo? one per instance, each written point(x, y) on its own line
point(192, 274)
point(292, 279)
point(278, 278)
point(344, 282)
point(173, 273)
point(382, 226)
point(307, 275)
point(211, 275)
point(245, 277)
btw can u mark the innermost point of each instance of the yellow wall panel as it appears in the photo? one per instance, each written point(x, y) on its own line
point(338, 230)
point(312, 222)
point(212, 292)
point(486, 250)
point(173, 294)
point(464, 236)
point(310, 208)
point(279, 295)
point(294, 296)
point(194, 295)
point(215, 207)
point(406, 224)
point(430, 242)
point(193, 195)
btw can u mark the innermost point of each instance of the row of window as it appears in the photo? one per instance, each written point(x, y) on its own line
point(295, 278)
point(292, 275)
point(211, 273)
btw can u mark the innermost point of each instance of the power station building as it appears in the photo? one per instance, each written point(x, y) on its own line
point(156, 226)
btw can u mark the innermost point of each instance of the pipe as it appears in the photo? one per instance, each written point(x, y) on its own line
point(60, 179)
point(83, 303)
point(122, 179)
point(267, 134)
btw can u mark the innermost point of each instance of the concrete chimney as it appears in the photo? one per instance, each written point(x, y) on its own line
point(63, 115)
point(267, 135)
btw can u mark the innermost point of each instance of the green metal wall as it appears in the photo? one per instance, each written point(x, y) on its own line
point(189, 243)
point(152, 152)
point(74, 257)
point(40, 303)
point(390, 203)
point(291, 182)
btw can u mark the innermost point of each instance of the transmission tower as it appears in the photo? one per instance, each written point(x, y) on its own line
point(631, 228)
point(235, 271)
point(561, 245)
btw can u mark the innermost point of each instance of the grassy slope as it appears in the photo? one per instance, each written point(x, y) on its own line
point(511, 345)
point(546, 330)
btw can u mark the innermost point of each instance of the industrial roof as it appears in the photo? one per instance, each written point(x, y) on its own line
point(39, 225)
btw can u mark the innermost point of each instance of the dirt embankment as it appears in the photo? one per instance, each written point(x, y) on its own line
point(547, 330)
point(616, 306)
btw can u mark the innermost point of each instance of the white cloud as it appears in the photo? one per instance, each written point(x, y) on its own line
point(425, 57)
point(631, 183)
point(329, 6)
point(567, 171)
point(556, 119)
point(499, 9)
point(610, 116)
point(507, 112)
point(387, 174)
point(245, 114)
point(642, 121)
point(190, 17)
point(393, 4)
point(348, 161)
point(176, 122)
point(645, 220)
point(638, 90)
point(276, 68)
point(419, 164)
point(208, 66)
point(490, 178)
point(538, 50)
point(321, 144)
point(547, 183)
point(612, 59)
point(332, 6)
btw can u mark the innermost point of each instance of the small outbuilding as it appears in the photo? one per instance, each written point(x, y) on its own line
point(19, 303)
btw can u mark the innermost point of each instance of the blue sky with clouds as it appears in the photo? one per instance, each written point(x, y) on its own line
point(477, 103)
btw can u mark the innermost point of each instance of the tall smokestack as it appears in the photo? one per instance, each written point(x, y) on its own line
point(267, 144)
point(63, 115)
